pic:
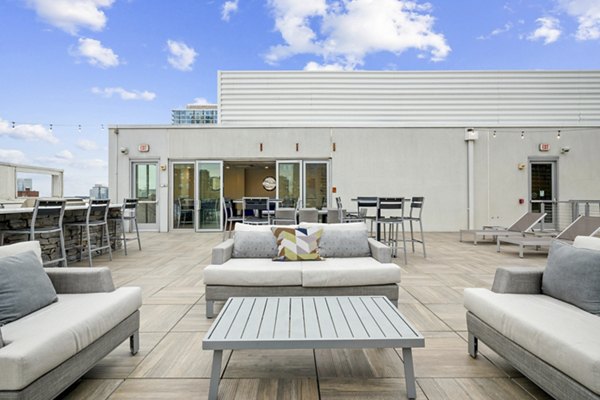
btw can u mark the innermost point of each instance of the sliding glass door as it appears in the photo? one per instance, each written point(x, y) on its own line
point(289, 182)
point(316, 184)
point(183, 200)
point(209, 191)
point(144, 188)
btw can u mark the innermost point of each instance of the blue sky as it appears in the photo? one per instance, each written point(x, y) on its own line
point(99, 62)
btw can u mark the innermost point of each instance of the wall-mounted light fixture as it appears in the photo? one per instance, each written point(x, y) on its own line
point(261, 147)
point(564, 150)
point(558, 135)
point(124, 150)
point(522, 134)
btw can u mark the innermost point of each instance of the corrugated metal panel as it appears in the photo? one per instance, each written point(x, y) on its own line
point(424, 98)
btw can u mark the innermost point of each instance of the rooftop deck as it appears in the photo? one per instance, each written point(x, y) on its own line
point(172, 365)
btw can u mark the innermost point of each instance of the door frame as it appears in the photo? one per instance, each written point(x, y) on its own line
point(155, 227)
point(170, 207)
point(552, 160)
point(197, 196)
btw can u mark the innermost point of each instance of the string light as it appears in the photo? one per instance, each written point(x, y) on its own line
point(79, 128)
point(558, 135)
point(13, 124)
point(50, 127)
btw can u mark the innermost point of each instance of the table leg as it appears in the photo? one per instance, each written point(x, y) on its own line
point(215, 375)
point(409, 373)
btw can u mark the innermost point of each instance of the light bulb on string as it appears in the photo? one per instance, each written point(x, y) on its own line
point(558, 135)
point(51, 127)
point(13, 124)
point(79, 128)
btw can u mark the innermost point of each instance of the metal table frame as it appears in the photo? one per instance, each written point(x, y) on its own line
point(311, 323)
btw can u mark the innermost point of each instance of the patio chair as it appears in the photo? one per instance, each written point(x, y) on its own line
point(394, 219)
point(345, 216)
point(582, 226)
point(522, 225)
point(285, 216)
point(254, 210)
point(308, 215)
point(230, 217)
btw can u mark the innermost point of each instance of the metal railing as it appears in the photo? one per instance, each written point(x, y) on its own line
point(563, 213)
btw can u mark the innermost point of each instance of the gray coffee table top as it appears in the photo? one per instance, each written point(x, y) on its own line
point(310, 323)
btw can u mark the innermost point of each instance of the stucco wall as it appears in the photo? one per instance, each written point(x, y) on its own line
point(431, 162)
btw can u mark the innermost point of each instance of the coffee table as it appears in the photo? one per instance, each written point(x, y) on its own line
point(311, 323)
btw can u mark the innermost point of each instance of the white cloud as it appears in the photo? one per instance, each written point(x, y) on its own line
point(71, 15)
point(549, 30)
point(349, 30)
point(498, 31)
point(93, 163)
point(199, 101)
point(124, 94)
point(26, 132)
point(587, 13)
point(65, 155)
point(315, 66)
point(87, 145)
point(229, 7)
point(182, 56)
point(96, 54)
point(13, 156)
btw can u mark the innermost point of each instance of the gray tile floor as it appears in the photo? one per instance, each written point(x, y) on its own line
point(172, 365)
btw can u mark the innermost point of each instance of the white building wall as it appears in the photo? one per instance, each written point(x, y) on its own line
point(405, 98)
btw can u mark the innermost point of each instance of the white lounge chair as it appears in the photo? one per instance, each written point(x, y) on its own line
point(582, 226)
point(522, 225)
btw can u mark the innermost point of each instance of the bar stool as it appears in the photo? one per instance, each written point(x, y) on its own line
point(230, 217)
point(392, 204)
point(416, 203)
point(345, 216)
point(128, 213)
point(256, 206)
point(362, 204)
point(51, 213)
point(96, 217)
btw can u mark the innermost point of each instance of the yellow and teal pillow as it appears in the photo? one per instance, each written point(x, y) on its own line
point(297, 244)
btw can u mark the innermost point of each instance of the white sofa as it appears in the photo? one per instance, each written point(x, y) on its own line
point(553, 342)
point(48, 350)
point(353, 264)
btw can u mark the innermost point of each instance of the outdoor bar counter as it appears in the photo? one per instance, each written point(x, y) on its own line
point(20, 218)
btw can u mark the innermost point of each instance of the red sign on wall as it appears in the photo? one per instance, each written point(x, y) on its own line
point(544, 146)
point(144, 148)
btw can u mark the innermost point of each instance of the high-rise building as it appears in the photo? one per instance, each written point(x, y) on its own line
point(195, 114)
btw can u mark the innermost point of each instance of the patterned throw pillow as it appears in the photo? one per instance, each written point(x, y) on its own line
point(297, 244)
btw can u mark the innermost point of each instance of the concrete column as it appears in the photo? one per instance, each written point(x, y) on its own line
point(471, 135)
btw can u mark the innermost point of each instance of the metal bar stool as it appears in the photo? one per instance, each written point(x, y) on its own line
point(128, 213)
point(392, 204)
point(417, 203)
point(345, 216)
point(362, 204)
point(284, 216)
point(308, 215)
point(230, 217)
point(96, 217)
point(47, 218)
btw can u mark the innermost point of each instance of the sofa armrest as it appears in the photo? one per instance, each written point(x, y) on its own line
point(81, 280)
point(380, 251)
point(519, 280)
point(222, 252)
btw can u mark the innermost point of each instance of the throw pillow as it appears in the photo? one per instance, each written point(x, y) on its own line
point(573, 275)
point(254, 244)
point(24, 286)
point(297, 244)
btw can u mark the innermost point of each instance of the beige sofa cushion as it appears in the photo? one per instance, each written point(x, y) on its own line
point(587, 242)
point(357, 271)
point(39, 342)
point(254, 272)
point(560, 334)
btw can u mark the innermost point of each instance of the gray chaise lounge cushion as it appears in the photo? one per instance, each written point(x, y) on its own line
point(557, 332)
point(573, 275)
point(24, 286)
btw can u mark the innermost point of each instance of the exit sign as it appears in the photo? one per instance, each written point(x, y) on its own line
point(544, 146)
point(144, 148)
